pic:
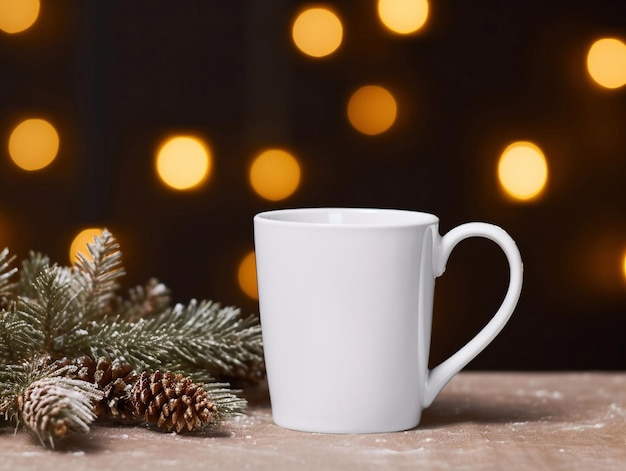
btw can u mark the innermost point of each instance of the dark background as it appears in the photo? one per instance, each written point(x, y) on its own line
point(116, 77)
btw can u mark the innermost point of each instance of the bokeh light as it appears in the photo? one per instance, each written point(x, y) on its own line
point(18, 15)
point(403, 16)
point(624, 265)
point(79, 244)
point(275, 174)
point(606, 62)
point(372, 109)
point(523, 170)
point(184, 162)
point(317, 32)
point(246, 276)
point(33, 144)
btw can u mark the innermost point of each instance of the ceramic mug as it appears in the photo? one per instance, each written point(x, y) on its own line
point(346, 301)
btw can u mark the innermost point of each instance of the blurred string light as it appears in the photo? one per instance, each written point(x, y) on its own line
point(275, 174)
point(33, 144)
point(606, 62)
point(317, 32)
point(79, 244)
point(18, 15)
point(523, 170)
point(246, 275)
point(403, 16)
point(183, 162)
point(372, 109)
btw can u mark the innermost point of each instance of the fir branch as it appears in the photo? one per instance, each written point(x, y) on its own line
point(96, 277)
point(30, 270)
point(201, 336)
point(7, 270)
point(15, 337)
point(151, 299)
point(46, 315)
point(142, 347)
point(206, 336)
point(225, 399)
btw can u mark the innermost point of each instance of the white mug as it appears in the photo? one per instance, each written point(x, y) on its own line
point(346, 301)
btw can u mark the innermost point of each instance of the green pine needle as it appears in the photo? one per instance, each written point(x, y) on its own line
point(7, 270)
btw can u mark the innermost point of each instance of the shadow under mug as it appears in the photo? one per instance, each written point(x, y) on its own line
point(346, 302)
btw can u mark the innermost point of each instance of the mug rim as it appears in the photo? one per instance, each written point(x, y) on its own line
point(392, 217)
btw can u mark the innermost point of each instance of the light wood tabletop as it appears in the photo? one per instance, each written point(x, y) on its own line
point(486, 421)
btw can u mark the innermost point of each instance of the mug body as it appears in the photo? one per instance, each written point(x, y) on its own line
point(345, 298)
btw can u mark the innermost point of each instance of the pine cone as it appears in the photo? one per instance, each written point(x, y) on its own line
point(82, 368)
point(115, 378)
point(172, 401)
point(55, 406)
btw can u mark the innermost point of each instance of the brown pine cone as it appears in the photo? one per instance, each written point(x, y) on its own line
point(172, 401)
point(115, 378)
point(82, 368)
point(56, 406)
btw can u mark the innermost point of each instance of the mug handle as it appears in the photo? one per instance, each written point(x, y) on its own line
point(439, 376)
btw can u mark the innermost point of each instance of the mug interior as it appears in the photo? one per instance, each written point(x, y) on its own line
point(350, 216)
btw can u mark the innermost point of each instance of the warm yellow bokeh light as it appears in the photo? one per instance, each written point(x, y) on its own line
point(606, 62)
point(624, 265)
point(246, 276)
point(18, 15)
point(317, 32)
point(372, 109)
point(403, 16)
point(183, 162)
point(275, 174)
point(33, 144)
point(79, 244)
point(523, 170)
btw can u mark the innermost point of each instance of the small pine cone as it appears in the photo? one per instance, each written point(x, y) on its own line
point(115, 378)
point(82, 368)
point(55, 406)
point(172, 401)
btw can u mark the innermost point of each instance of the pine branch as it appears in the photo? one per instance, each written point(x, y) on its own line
point(97, 278)
point(68, 344)
point(47, 314)
point(227, 402)
point(119, 339)
point(201, 336)
point(30, 270)
point(151, 299)
point(16, 341)
point(206, 336)
point(8, 288)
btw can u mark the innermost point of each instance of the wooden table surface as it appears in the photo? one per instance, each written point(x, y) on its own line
point(486, 421)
